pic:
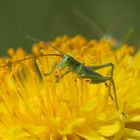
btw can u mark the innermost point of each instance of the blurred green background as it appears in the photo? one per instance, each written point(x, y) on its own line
point(47, 19)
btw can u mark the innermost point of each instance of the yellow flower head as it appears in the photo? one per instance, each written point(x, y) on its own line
point(33, 106)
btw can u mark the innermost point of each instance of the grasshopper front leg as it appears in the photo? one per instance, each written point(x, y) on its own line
point(55, 66)
point(60, 77)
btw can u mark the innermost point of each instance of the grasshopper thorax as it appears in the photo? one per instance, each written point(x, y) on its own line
point(68, 61)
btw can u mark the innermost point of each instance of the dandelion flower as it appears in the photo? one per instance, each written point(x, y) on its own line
point(33, 106)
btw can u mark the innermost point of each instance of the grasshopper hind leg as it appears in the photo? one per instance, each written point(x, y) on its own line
point(114, 97)
point(115, 94)
point(107, 86)
point(96, 67)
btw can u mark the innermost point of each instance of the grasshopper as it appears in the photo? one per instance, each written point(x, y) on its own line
point(82, 71)
point(74, 66)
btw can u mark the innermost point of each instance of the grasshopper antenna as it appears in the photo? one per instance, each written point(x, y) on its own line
point(118, 21)
point(30, 57)
point(46, 43)
point(90, 22)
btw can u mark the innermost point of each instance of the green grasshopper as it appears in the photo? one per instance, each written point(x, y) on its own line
point(82, 71)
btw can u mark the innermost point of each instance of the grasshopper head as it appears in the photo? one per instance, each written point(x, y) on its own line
point(66, 61)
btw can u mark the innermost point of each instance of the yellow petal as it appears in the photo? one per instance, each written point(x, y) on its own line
point(109, 130)
point(131, 133)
